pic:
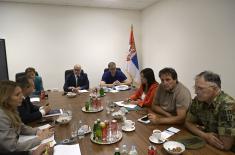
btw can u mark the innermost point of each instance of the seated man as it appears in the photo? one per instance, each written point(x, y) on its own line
point(27, 111)
point(76, 81)
point(31, 73)
point(213, 110)
point(113, 77)
point(172, 99)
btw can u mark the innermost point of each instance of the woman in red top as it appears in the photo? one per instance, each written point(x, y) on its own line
point(145, 94)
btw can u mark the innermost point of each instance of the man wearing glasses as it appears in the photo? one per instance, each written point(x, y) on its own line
point(212, 112)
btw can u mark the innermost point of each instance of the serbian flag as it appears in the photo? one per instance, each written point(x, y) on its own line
point(132, 60)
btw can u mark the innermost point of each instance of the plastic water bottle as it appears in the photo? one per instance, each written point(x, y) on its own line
point(81, 131)
point(133, 151)
point(124, 150)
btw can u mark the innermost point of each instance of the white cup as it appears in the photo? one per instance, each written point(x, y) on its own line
point(129, 124)
point(157, 134)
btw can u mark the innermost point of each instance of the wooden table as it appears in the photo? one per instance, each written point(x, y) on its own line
point(139, 138)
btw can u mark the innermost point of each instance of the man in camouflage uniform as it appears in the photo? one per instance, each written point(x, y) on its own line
point(213, 110)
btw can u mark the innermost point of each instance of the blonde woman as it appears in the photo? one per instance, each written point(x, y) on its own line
point(11, 126)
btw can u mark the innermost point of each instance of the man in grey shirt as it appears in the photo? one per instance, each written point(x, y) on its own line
point(172, 99)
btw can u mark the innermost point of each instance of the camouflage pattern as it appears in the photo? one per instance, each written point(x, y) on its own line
point(217, 117)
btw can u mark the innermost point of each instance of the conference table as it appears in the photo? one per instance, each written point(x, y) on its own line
point(139, 137)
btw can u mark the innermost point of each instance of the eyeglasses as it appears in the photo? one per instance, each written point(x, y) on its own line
point(202, 89)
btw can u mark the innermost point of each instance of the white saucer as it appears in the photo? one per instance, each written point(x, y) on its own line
point(124, 128)
point(156, 141)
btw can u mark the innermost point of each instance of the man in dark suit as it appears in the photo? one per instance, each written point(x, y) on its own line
point(76, 81)
point(29, 112)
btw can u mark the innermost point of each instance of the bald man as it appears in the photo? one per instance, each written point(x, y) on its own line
point(76, 81)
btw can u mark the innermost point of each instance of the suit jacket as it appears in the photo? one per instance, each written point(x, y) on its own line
point(82, 81)
point(9, 135)
point(29, 112)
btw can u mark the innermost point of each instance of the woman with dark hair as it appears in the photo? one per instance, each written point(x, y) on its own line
point(145, 94)
point(11, 126)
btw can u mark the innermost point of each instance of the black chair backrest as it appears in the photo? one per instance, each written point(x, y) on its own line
point(18, 75)
point(106, 69)
point(69, 72)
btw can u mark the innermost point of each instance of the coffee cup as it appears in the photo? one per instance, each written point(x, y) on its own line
point(129, 124)
point(157, 134)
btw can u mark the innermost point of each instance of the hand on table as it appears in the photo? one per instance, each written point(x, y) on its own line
point(212, 139)
point(71, 88)
point(47, 108)
point(127, 100)
point(116, 83)
point(45, 133)
point(76, 90)
point(43, 149)
point(153, 118)
point(133, 102)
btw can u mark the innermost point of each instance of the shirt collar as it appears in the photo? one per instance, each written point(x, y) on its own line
point(174, 89)
point(76, 76)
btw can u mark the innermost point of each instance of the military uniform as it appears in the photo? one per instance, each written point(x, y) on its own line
point(217, 117)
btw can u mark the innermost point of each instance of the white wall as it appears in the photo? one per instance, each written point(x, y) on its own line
point(54, 38)
point(191, 36)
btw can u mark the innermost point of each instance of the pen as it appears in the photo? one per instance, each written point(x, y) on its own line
point(46, 152)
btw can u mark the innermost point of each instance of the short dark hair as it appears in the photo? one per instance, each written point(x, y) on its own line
point(169, 71)
point(111, 64)
point(30, 69)
point(149, 76)
point(23, 82)
point(210, 77)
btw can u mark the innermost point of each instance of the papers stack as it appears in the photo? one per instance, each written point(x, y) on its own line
point(67, 149)
point(35, 99)
point(169, 132)
point(122, 104)
point(83, 91)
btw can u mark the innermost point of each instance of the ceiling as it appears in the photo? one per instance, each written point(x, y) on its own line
point(117, 4)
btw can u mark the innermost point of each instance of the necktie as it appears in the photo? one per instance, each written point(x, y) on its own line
point(76, 79)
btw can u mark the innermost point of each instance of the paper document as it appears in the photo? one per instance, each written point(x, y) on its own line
point(169, 132)
point(172, 129)
point(122, 104)
point(67, 149)
point(113, 91)
point(83, 91)
point(35, 99)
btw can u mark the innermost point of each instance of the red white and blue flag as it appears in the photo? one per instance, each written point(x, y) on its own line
point(132, 60)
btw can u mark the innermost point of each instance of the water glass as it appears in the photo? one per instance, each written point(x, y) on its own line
point(74, 130)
